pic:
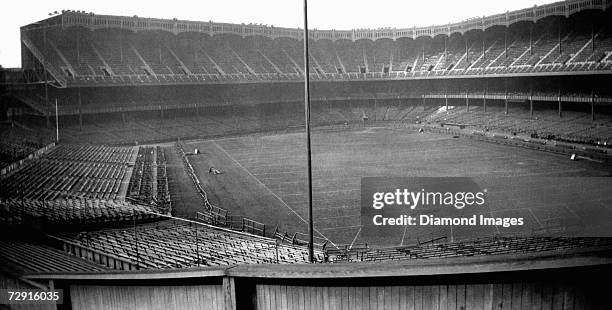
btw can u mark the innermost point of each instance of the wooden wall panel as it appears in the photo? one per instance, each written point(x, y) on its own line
point(192, 297)
point(459, 296)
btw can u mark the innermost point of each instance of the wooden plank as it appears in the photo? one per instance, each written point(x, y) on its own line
point(547, 296)
point(451, 298)
point(488, 296)
point(474, 297)
point(373, 298)
point(418, 297)
point(326, 305)
point(320, 297)
point(301, 299)
point(435, 297)
point(283, 293)
point(332, 298)
point(220, 298)
point(526, 299)
point(352, 297)
point(579, 298)
point(427, 296)
point(403, 297)
point(558, 297)
point(517, 295)
point(507, 296)
point(337, 295)
point(361, 300)
point(314, 297)
point(344, 298)
point(461, 292)
point(568, 297)
point(395, 297)
point(229, 293)
point(380, 297)
point(298, 303)
point(536, 296)
point(265, 297)
point(206, 296)
point(443, 295)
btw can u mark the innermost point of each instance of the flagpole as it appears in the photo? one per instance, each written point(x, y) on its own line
point(308, 147)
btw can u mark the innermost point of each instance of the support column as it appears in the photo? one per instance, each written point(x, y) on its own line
point(423, 45)
point(161, 113)
point(484, 100)
point(445, 48)
point(592, 37)
point(446, 101)
point(467, 54)
point(559, 87)
point(506, 104)
point(423, 102)
point(559, 37)
point(506, 42)
point(123, 116)
point(506, 97)
point(531, 40)
point(592, 106)
point(467, 101)
point(531, 105)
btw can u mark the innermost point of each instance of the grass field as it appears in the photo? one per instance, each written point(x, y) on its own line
point(264, 179)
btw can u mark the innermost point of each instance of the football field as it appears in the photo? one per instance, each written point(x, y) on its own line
point(264, 179)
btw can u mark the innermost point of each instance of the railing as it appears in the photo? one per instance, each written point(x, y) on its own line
point(60, 78)
point(174, 79)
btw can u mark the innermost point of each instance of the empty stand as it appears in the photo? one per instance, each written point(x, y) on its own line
point(182, 244)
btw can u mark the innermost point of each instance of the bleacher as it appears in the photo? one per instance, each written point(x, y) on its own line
point(159, 57)
point(574, 127)
point(70, 171)
point(478, 247)
point(149, 182)
point(73, 211)
point(184, 244)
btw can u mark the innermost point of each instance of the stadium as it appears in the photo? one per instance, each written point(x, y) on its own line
point(158, 163)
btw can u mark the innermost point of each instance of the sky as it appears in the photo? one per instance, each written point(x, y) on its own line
point(322, 14)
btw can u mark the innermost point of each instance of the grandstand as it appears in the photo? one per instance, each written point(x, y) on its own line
point(104, 196)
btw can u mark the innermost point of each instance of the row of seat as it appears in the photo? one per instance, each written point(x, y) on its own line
point(179, 244)
point(73, 211)
point(478, 247)
point(573, 127)
point(69, 171)
point(115, 53)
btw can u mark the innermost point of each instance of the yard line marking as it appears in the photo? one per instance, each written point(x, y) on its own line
point(355, 239)
point(269, 190)
point(535, 217)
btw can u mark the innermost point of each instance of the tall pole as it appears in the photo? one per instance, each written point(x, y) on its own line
point(56, 122)
point(307, 118)
point(44, 60)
